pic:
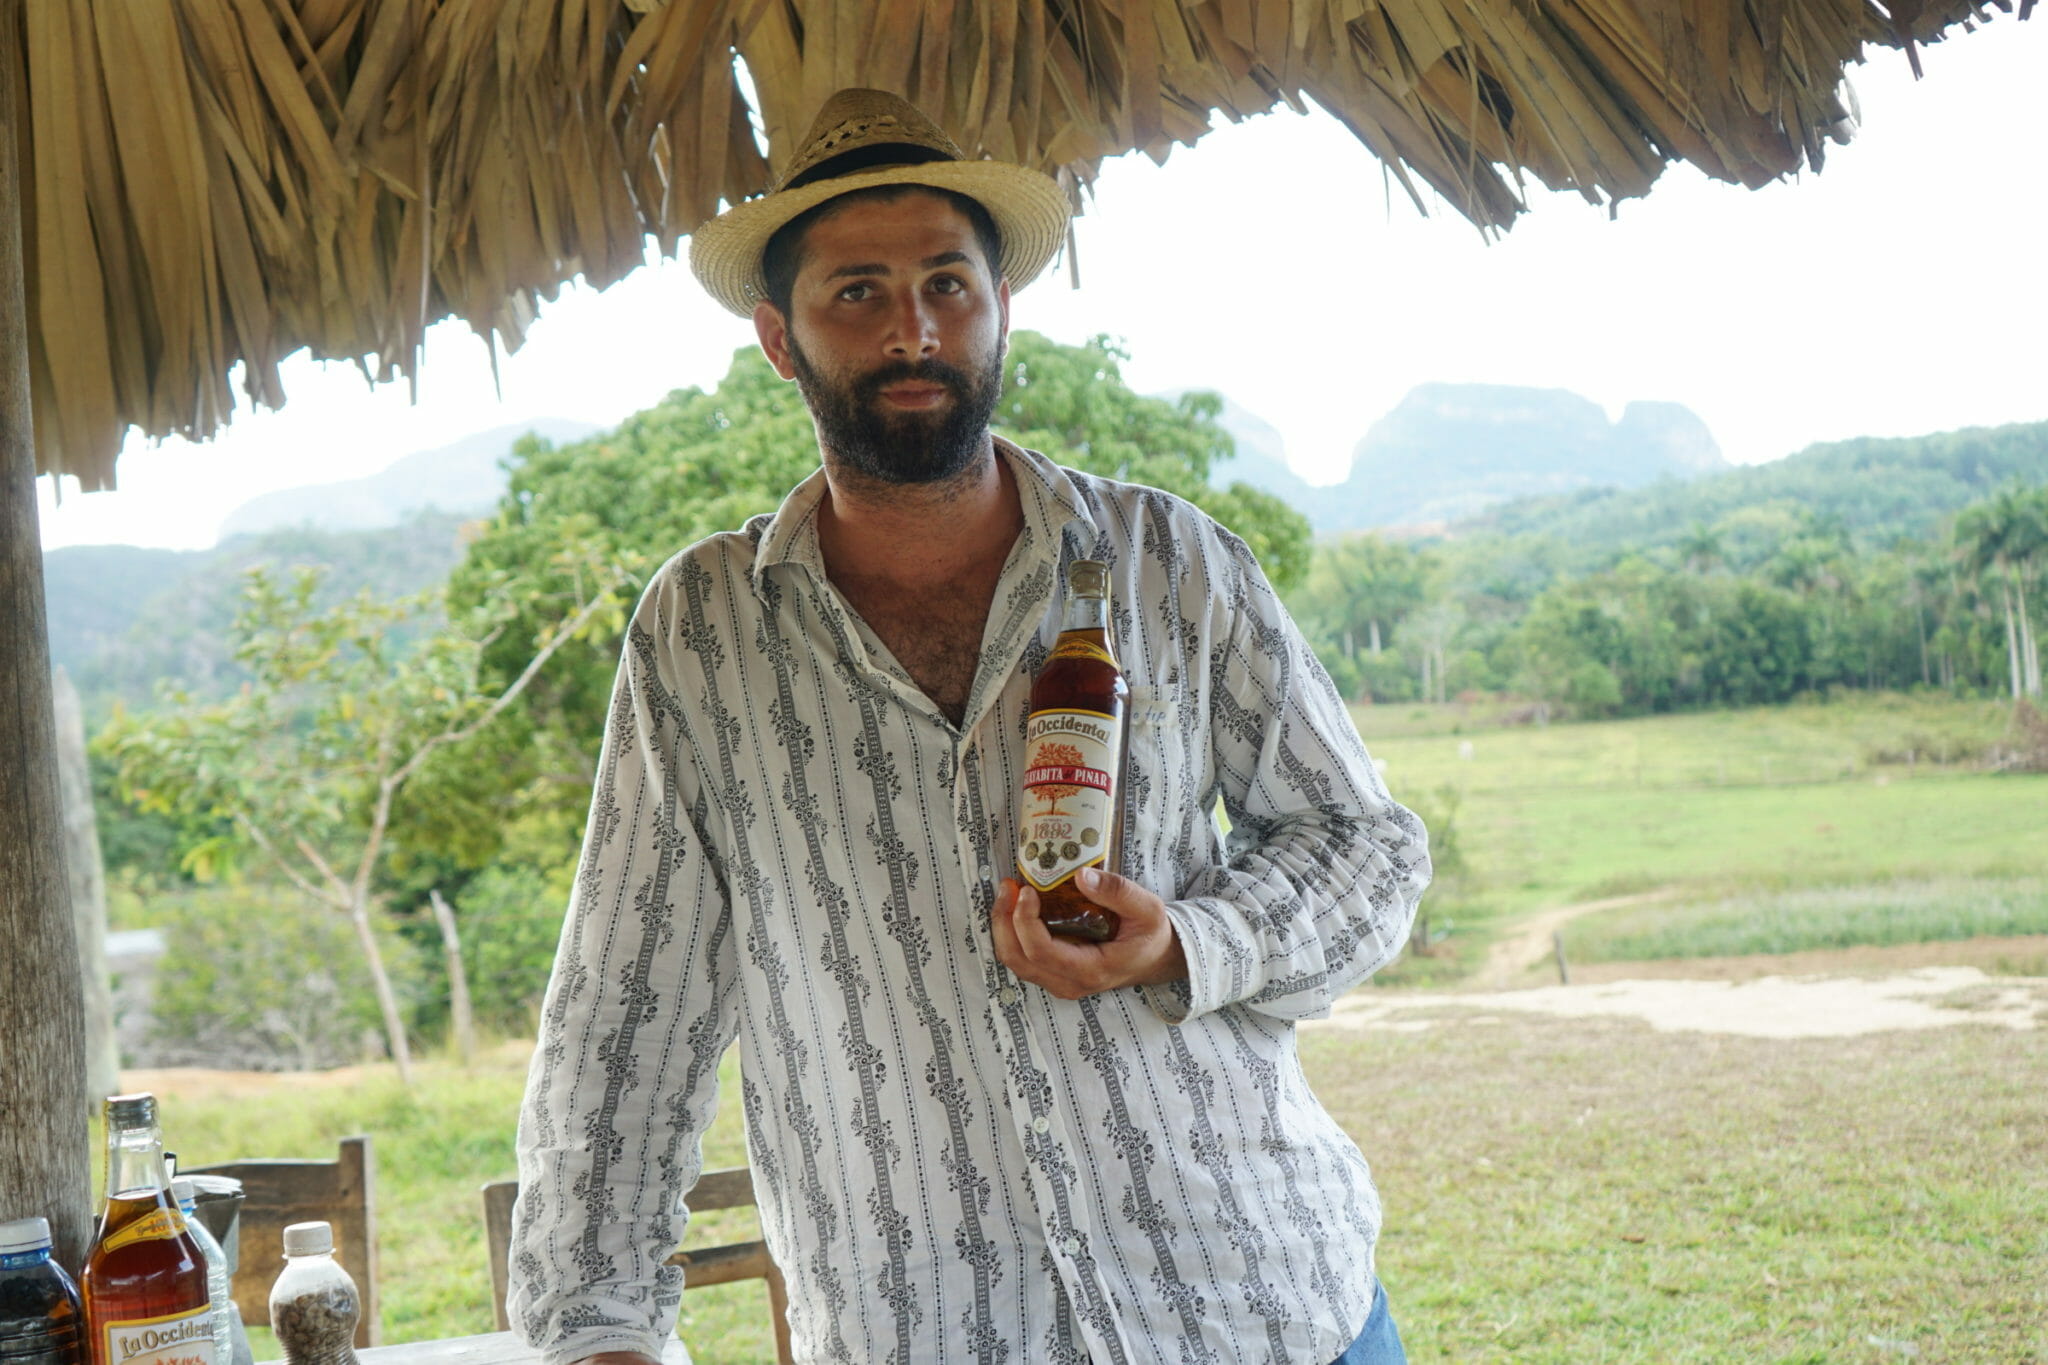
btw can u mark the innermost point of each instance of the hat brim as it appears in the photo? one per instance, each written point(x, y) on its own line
point(1030, 212)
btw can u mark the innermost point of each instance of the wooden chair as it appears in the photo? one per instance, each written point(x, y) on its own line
point(728, 1189)
point(276, 1194)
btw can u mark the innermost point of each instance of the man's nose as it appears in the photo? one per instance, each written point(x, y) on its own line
point(913, 333)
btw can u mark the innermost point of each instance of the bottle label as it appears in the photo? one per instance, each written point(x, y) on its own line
point(156, 1225)
point(1079, 647)
point(1070, 762)
point(175, 1339)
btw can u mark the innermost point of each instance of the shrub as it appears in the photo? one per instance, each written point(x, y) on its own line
point(260, 978)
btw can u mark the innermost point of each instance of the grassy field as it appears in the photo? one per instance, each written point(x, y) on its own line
point(1583, 1192)
point(1720, 806)
point(1557, 1190)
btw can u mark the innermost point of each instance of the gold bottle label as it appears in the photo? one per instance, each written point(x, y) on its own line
point(1078, 647)
point(1070, 762)
point(156, 1225)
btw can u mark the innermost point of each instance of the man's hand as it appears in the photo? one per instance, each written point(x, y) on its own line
point(1145, 952)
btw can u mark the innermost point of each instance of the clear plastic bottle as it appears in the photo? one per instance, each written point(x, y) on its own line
point(314, 1306)
point(230, 1342)
point(40, 1314)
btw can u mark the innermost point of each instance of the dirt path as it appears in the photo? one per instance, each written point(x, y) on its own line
point(1763, 1007)
point(1530, 944)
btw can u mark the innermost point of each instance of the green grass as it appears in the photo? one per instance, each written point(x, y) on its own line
point(1825, 917)
point(1598, 1193)
point(1719, 803)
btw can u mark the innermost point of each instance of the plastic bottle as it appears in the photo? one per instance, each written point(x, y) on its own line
point(314, 1305)
point(230, 1342)
point(144, 1282)
point(39, 1309)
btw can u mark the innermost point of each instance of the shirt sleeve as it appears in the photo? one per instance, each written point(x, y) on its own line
point(1324, 869)
point(640, 1006)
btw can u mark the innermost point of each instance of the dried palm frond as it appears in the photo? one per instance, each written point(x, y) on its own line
point(219, 181)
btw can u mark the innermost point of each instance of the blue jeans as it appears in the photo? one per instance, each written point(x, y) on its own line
point(1380, 1342)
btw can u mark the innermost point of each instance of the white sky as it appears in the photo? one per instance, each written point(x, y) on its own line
point(1899, 292)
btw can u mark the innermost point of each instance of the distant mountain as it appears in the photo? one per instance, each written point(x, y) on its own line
point(464, 478)
point(1870, 489)
point(1449, 451)
point(123, 619)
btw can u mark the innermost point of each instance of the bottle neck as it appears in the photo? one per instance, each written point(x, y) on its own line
point(1086, 613)
point(135, 1162)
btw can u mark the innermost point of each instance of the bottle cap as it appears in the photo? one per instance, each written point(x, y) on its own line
point(131, 1111)
point(185, 1192)
point(25, 1234)
point(308, 1239)
point(1088, 578)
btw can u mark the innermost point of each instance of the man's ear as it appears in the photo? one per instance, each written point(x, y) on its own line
point(772, 330)
point(1003, 322)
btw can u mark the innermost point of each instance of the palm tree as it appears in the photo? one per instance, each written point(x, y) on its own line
point(2001, 539)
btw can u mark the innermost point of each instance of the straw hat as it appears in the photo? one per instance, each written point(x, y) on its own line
point(863, 138)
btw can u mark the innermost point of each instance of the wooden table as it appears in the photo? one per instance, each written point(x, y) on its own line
point(492, 1348)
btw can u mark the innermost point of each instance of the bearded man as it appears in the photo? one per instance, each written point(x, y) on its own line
point(970, 1140)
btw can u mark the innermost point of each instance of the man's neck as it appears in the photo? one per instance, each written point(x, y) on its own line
point(920, 536)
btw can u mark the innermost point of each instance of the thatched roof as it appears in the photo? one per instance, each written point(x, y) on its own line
point(220, 180)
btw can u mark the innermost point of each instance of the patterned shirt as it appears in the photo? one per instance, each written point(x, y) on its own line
point(790, 844)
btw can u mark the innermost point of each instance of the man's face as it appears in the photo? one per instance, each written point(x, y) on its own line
point(895, 336)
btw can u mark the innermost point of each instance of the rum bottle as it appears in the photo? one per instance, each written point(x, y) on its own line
point(1072, 813)
point(144, 1281)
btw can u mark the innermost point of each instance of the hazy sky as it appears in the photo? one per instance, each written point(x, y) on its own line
point(1901, 291)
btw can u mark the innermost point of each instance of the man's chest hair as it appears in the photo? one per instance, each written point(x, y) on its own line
point(936, 636)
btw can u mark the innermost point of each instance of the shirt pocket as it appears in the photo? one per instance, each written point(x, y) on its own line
point(1156, 790)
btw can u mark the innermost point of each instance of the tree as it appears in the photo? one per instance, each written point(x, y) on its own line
point(2003, 538)
point(302, 767)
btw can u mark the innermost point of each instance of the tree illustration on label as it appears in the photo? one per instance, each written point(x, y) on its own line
point(1058, 756)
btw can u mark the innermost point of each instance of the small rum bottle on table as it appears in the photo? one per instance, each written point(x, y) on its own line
point(1072, 812)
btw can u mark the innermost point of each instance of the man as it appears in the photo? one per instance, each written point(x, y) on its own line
point(970, 1141)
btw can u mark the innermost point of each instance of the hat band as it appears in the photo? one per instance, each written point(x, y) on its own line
point(867, 158)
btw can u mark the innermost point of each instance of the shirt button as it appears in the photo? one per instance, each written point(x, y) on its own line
point(984, 872)
point(1007, 995)
point(1072, 1246)
point(1040, 1124)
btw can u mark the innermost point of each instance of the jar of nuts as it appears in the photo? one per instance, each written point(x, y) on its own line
point(314, 1304)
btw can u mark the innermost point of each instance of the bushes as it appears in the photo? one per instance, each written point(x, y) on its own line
point(259, 978)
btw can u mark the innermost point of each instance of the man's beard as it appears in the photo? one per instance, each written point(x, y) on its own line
point(901, 447)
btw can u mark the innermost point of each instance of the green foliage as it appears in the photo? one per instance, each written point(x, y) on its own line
point(302, 767)
point(262, 979)
point(511, 919)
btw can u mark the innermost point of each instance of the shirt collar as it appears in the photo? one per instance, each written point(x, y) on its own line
point(1050, 500)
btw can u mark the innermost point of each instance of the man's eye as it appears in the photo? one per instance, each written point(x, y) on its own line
point(947, 284)
point(854, 293)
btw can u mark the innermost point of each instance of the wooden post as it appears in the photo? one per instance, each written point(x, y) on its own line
point(1564, 970)
point(44, 1166)
point(88, 888)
